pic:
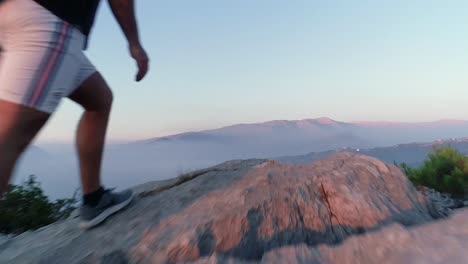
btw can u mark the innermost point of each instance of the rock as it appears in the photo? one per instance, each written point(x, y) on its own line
point(440, 204)
point(276, 205)
point(4, 239)
point(64, 242)
point(257, 211)
point(435, 243)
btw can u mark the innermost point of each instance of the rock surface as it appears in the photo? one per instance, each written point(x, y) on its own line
point(256, 211)
point(441, 242)
point(441, 204)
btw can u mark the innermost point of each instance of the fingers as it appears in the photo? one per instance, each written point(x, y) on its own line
point(142, 69)
point(139, 54)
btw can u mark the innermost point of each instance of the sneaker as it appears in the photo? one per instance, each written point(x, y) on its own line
point(109, 204)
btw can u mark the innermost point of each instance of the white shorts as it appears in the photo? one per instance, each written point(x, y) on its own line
point(41, 56)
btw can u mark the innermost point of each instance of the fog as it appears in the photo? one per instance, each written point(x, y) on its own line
point(126, 165)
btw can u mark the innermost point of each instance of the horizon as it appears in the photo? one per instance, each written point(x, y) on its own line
point(358, 122)
point(155, 158)
point(214, 64)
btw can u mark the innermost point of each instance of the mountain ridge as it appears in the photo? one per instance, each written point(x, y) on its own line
point(413, 154)
point(169, 156)
point(324, 122)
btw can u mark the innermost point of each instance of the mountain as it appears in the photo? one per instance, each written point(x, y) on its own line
point(282, 137)
point(167, 157)
point(170, 156)
point(271, 137)
point(412, 154)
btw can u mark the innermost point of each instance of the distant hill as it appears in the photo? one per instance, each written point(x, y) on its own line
point(413, 154)
point(167, 157)
point(285, 137)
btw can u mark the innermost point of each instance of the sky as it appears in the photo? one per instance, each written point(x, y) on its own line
point(216, 63)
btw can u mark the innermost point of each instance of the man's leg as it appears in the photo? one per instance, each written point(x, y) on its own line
point(18, 126)
point(96, 98)
point(98, 204)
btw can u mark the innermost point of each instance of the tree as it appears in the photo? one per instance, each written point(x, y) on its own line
point(445, 170)
point(26, 207)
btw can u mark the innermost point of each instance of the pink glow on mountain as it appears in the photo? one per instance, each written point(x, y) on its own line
point(395, 123)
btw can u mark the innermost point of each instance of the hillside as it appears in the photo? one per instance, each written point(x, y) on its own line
point(412, 154)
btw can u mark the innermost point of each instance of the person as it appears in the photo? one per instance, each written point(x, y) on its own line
point(42, 60)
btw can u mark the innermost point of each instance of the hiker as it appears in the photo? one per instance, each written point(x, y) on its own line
point(41, 62)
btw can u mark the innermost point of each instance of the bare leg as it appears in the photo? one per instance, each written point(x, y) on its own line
point(96, 98)
point(18, 127)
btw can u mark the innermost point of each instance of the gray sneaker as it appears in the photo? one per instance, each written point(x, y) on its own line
point(109, 204)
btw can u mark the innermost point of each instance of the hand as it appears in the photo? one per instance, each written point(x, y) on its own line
point(139, 54)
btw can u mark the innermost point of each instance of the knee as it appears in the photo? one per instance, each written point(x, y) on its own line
point(107, 101)
point(94, 95)
point(102, 102)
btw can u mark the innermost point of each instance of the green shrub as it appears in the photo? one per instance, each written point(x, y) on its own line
point(445, 170)
point(26, 207)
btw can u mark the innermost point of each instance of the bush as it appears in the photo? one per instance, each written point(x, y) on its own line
point(445, 170)
point(26, 207)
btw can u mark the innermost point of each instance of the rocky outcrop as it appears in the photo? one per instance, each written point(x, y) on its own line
point(345, 209)
point(276, 205)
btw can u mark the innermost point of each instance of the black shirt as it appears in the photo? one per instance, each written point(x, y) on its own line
point(80, 13)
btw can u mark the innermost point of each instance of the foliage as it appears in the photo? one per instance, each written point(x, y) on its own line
point(26, 207)
point(445, 170)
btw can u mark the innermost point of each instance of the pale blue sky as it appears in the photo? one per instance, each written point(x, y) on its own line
point(216, 63)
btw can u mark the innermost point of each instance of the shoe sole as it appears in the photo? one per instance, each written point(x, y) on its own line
point(104, 215)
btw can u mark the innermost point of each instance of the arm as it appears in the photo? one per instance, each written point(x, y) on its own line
point(124, 13)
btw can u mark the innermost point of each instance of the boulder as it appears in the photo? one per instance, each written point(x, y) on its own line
point(275, 205)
